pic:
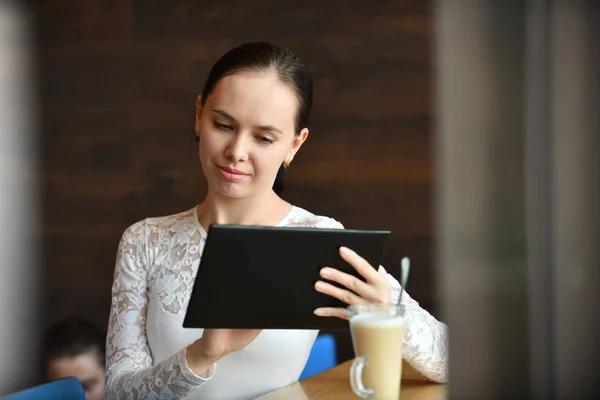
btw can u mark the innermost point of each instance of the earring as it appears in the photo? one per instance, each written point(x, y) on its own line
point(197, 137)
point(286, 165)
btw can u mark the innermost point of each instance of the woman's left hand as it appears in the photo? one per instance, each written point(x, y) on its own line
point(376, 289)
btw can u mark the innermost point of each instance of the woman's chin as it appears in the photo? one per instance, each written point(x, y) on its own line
point(228, 189)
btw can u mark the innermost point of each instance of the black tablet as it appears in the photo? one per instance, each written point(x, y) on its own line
point(263, 277)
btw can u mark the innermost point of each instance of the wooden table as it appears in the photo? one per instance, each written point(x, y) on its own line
point(334, 384)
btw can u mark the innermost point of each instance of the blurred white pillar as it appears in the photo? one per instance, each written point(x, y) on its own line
point(482, 267)
point(518, 195)
point(18, 209)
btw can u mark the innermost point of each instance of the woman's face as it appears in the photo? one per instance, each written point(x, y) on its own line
point(247, 130)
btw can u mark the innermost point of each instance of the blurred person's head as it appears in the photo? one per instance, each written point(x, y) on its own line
point(251, 119)
point(75, 347)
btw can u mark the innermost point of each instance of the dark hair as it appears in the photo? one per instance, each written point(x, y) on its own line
point(70, 338)
point(260, 56)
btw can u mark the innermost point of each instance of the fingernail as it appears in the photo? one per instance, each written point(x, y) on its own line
point(325, 272)
point(319, 285)
point(318, 312)
point(344, 250)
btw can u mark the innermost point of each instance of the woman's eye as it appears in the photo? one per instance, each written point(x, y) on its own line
point(265, 140)
point(223, 127)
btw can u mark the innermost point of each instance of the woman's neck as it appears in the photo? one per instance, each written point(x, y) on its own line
point(265, 210)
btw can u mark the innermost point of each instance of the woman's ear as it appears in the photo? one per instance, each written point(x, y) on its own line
point(296, 144)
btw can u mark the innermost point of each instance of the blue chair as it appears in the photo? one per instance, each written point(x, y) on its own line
point(323, 356)
point(60, 389)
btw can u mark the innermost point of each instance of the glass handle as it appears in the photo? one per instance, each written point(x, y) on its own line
point(356, 377)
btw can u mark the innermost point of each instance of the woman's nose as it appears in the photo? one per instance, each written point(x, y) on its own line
point(238, 148)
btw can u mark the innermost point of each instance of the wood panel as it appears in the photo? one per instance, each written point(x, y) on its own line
point(118, 81)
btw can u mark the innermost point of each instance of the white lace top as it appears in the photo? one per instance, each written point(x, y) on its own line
point(157, 260)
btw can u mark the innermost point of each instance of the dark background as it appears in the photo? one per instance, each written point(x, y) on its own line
point(118, 81)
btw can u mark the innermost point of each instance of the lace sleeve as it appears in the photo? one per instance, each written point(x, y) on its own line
point(129, 370)
point(425, 341)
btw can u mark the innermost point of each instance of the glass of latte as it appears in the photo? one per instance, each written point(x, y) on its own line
point(377, 334)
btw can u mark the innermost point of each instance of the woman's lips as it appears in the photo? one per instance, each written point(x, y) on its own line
point(231, 174)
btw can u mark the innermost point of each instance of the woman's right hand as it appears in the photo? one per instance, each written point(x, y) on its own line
point(215, 344)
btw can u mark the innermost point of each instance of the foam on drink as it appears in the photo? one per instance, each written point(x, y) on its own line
point(377, 319)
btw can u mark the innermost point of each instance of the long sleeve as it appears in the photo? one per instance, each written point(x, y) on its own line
point(129, 370)
point(425, 340)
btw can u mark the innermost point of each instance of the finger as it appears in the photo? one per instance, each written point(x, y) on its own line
point(332, 312)
point(348, 281)
point(361, 265)
point(341, 294)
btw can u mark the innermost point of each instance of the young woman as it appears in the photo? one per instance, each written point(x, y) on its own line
point(250, 123)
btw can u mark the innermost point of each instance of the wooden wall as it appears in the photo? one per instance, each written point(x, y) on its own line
point(118, 81)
